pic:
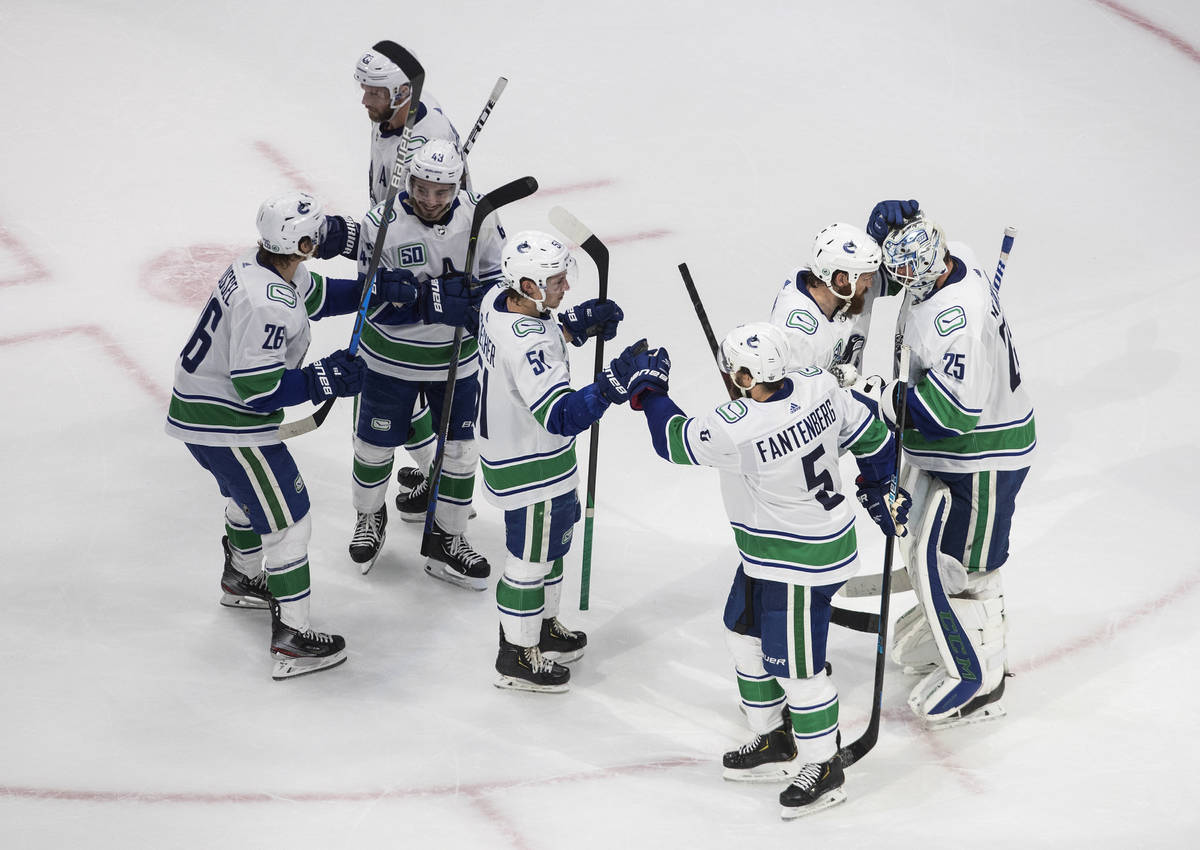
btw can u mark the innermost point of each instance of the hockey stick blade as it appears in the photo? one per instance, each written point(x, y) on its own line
point(871, 585)
point(581, 235)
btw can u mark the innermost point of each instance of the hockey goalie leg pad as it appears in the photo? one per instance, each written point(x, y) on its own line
point(913, 647)
point(762, 695)
point(372, 469)
point(521, 600)
point(286, 563)
point(457, 485)
point(813, 703)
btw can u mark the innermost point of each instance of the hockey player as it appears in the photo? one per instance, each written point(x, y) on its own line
point(407, 344)
point(528, 419)
point(777, 449)
point(387, 97)
point(238, 370)
point(968, 440)
point(817, 303)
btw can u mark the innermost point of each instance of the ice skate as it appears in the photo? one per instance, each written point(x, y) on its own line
point(816, 787)
point(369, 533)
point(558, 643)
point(979, 709)
point(768, 758)
point(412, 501)
point(239, 590)
point(452, 559)
point(524, 668)
point(297, 653)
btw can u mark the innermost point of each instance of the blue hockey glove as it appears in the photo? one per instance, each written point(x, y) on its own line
point(650, 377)
point(339, 235)
point(592, 318)
point(613, 382)
point(887, 216)
point(396, 285)
point(449, 300)
point(888, 515)
point(336, 375)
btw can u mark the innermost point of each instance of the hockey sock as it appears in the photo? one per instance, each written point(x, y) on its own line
point(813, 703)
point(422, 441)
point(457, 485)
point(286, 563)
point(245, 544)
point(520, 599)
point(372, 469)
point(762, 695)
point(553, 585)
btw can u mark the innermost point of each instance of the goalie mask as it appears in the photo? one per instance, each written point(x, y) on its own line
point(537, 257)
point(376, 68)
point(286, 219)
point(845, 248)
point(915, 256)
point(758, 347)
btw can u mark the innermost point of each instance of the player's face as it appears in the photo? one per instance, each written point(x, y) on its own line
point(431, 200)
point(859, 299)
point(378, 103)
point(556, 287)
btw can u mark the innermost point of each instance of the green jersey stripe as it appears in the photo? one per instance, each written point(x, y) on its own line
point(676, 447)
point(1012, 440)
point(762, 547)
point(522, 475)
point(944, 409)
point(214, 414)
point(384, 347)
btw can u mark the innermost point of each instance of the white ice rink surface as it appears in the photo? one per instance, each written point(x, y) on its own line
point(138, 140)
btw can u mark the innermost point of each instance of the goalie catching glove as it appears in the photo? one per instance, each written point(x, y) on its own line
point(891, 516)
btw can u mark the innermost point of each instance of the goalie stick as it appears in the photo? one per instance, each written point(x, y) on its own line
point(581, 235)
point(871, 585)
point(858, 748)
point(416, 76)
point(508, 193)
point(858, 620)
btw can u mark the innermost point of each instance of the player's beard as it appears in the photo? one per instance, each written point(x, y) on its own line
point(423, 212)
point(380, 116)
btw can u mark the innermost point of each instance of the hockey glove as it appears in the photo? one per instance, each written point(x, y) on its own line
point(651, 376)
point(339, 374)
point(876, 497)
point(887, 216)
point(591, 318)
point(845, 373)
point(398, 286)
point(449, 300)
point(880, 398)
point(338, 235)
point(613, 382)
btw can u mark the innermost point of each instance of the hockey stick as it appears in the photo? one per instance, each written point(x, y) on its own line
point(416, 79)
point(488, 204)
point(858, 748)
point(858, 620)
point(1010, 234)
point(581, 235)
point(479, 122)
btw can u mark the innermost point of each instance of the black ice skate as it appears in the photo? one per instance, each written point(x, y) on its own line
point(816, 787)
point(299, 652)
point(558, 643)
point(239, 590)
point(413, 499)
point(369, 533)
point(524, 668)
point(768, 758)
point(452, 559)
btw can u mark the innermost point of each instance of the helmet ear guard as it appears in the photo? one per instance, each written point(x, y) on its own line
point(760, 348)
point(286, 219)
point(915, 256)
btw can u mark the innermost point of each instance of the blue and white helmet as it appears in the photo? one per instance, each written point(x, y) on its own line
point(915, 256)
point(535, 256)
point(374, 68)
point(760, 348)
point(284, 220)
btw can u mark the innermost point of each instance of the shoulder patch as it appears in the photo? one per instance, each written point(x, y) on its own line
point(527, 325)
point(803, 321)
point(950, 320)
point(282, 293)
point(732, 411)
point(810, 371)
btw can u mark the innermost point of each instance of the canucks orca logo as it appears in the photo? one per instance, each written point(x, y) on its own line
point(850, 247)
point(524, 247)
point(752, 341)
point(303, 207)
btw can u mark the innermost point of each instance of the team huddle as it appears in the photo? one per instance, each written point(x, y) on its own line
point(941, 451)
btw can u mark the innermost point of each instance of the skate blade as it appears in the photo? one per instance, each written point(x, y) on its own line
point(774, 772)
point(825, 801)
point(232, 600)
point(511, 683)
point(991, 711)
point(287, 667)
point(564, 657)
point(436, 569)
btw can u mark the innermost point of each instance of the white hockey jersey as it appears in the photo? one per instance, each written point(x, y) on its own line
point(526, 372)
point(421, 352)
point(780, 479)
point(966, 394)
point(253, 327)
point(431, 123)
point(813, 338)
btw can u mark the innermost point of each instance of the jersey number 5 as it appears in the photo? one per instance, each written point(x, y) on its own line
point(200, 342)
point(821, 483)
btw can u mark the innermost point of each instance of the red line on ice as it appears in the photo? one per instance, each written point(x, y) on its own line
point(1154, 29)
point(290, 171)
point(34, 270)
point(574, 187)
point(108, 345)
